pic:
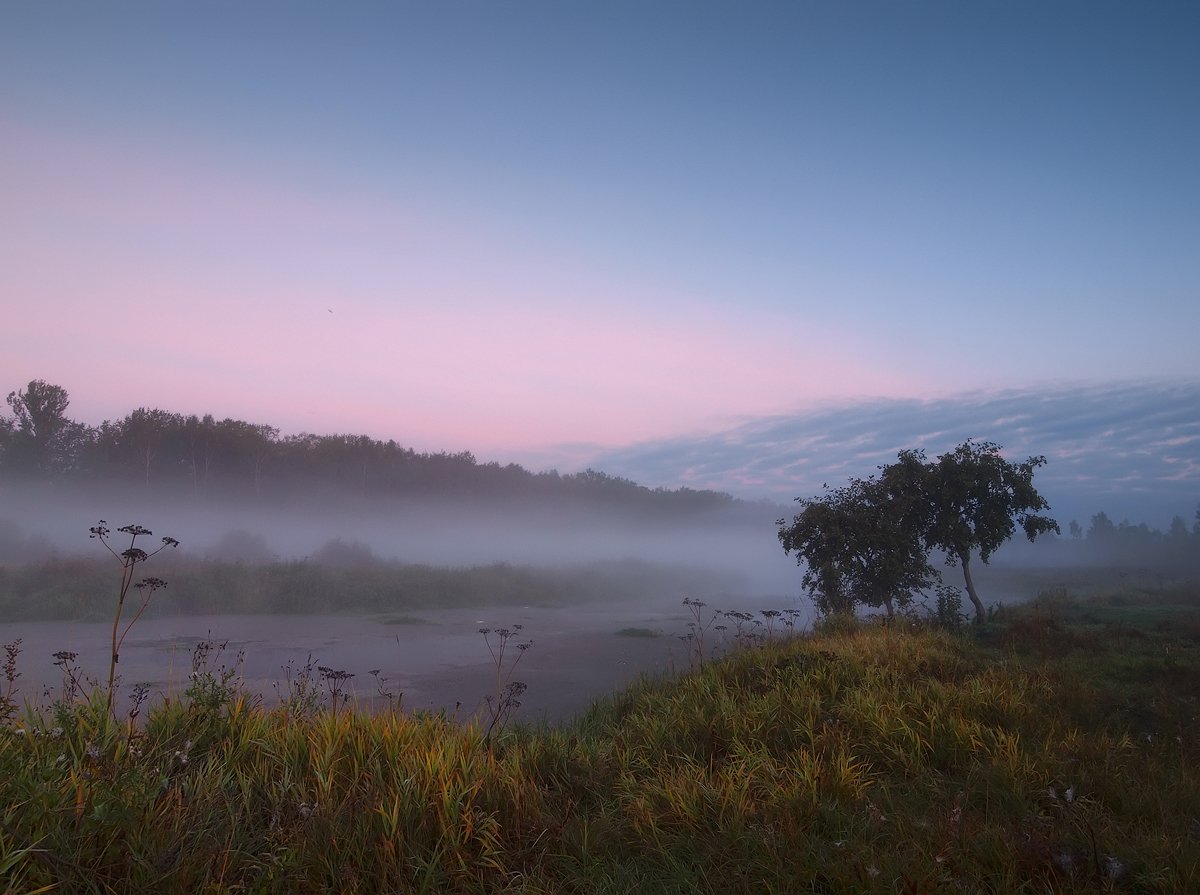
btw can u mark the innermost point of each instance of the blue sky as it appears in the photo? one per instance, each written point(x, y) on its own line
point(564, 232)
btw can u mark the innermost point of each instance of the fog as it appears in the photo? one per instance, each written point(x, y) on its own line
point(607, 607)
point(585, 644)
point(445, 533)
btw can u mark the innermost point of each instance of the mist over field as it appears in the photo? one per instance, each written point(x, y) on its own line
point(453, 532)
point(402, 586)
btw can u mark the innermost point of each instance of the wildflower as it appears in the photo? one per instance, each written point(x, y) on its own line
point(1113, 868)
point(93, 751)
point(56, 733)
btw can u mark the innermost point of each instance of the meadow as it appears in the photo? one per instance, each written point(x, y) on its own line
point(1054, 748)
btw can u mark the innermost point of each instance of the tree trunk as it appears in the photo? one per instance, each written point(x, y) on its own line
point(965, 559)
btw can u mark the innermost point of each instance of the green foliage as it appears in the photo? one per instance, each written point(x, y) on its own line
point(976, 500)
point(947, 610)
point(858, 546)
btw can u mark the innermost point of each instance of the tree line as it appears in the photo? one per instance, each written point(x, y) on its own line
point(1126, 543)
point(177, 454)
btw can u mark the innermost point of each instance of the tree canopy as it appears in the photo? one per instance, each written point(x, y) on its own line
point(857, 547)
point(39, 437)
point(869, 541)
point(976, 499)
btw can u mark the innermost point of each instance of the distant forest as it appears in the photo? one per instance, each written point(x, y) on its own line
point(172, 454)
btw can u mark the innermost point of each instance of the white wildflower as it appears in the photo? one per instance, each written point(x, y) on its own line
point(1113, 868)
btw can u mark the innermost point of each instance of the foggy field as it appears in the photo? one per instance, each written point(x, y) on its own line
point(404, 590)
point(404, 593)
point(408, 603)
point(594, 628)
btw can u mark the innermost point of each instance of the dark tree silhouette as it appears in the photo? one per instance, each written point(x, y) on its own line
point(858, 546)
point(38, 435)
point(975, 500)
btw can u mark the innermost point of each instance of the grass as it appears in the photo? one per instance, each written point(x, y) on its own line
point(1055, 750)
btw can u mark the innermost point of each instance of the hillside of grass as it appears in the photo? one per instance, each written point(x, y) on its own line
point(1056, 748)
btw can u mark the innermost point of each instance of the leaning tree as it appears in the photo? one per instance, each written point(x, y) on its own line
point(974, 499)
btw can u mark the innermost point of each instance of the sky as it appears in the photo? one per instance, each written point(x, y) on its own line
point(742, 245)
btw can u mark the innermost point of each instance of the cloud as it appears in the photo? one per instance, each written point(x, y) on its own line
point(1131, 448)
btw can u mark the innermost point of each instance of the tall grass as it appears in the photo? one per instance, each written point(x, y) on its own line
point(867, 759)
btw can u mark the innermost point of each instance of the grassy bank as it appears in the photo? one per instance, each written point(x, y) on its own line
point(1057, 749)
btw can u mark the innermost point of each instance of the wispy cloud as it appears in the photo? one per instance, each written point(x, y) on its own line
point(1131, 449)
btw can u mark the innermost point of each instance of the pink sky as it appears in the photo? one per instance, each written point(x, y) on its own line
point(145, 281)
